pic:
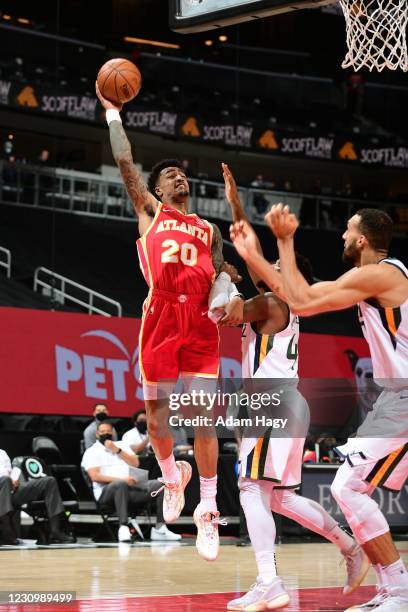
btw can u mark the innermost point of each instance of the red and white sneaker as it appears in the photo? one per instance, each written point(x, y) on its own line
point(208, 540)
point(173, 500)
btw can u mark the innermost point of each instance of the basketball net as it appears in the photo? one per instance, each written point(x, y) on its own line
point(376, 34)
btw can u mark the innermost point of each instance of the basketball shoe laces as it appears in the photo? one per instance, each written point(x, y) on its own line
point(170, 488)
point(211, 524)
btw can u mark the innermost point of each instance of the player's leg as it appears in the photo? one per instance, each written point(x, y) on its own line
point(159, 344)
point(313, 516)
point(352, 492)
point(199, 364)
point(206, 515)
point(268, 590)
point(309, 513)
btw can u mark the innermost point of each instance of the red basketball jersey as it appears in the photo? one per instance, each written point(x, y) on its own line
point(175, 252)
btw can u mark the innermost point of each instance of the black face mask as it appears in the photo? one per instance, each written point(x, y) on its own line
point(104, 437)
point(141, 427)
point(101, 416)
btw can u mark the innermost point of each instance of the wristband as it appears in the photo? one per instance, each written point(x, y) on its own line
point(119, 451)
point(112, 115)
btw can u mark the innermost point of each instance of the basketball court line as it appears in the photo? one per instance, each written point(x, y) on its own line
point(310, 599)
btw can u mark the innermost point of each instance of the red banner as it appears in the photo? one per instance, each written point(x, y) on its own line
point(64, 363)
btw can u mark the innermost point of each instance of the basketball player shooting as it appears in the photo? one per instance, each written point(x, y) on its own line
point(271, 467)
point(378, 453)
point(180, 255)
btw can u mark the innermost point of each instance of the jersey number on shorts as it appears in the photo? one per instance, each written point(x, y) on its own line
point(187, 253)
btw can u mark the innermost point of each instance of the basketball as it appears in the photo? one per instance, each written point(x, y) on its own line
point(119, 80)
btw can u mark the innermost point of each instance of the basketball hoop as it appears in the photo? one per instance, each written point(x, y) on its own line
point(376, 34)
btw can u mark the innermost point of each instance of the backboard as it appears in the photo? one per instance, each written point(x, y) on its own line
point(200, 15)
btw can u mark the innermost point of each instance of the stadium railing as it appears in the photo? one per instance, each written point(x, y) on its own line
point(83, 193)
point(62, 289)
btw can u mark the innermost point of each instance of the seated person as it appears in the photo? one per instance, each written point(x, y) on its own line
point(181, 445)
point(137, 438)
point(100, 414)
point(107, 464)
point(14, 494)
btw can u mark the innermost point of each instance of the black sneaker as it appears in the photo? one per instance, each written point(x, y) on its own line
point(57, 537)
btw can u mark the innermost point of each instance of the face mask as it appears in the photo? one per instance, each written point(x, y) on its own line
point(104, 437)
point(101, 416)
point(141, 427)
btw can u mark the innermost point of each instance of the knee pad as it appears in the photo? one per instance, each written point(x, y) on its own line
point(252, 491)
point(280, 500)
point(361, 511)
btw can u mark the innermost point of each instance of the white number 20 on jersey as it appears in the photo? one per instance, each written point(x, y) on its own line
point(187, 253)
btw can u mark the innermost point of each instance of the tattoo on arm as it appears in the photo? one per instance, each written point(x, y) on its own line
point(216, 249)
point(133, 180)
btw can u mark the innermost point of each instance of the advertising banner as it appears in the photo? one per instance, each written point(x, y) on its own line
point(285, 141)
point(58, 362)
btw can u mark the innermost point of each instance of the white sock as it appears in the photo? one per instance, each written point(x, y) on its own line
point(208, 494)
point(169, 469)
point(311, 515)
point(381, 577)
point(266, 563)
point(340, 538)
point(255, 501)
point(396, 574)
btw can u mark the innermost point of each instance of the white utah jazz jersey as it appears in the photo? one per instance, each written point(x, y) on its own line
point(274, 356)
point(386, 331)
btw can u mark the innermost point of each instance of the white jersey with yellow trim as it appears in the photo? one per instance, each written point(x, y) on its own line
point(274, 356)
point(386, 331)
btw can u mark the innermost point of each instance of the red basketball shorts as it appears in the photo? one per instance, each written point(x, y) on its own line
point(177, 338)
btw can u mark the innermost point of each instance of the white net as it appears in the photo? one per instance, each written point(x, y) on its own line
point(376, 34)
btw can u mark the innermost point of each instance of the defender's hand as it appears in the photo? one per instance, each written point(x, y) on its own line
point(107, 104)
point(244, 239)
point(231, 190)
point(232, 271)
point(234, 313)
point(281, 221)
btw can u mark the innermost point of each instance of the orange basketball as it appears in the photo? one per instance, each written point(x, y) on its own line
point(119, 80)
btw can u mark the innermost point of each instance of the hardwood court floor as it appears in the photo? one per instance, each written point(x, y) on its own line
point(173, 577)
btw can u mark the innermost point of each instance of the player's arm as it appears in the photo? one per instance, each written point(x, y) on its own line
point(244, 239)
point(265, 307)
point(216, 249)
point(144, 203)
point(347, 291)
point(307, 300)
point(238, 212)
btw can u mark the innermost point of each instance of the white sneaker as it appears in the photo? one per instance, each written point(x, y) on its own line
point(358, 565)
point(173, 500)
point(163, 534)
point(262, 596)
point(208, 540)
point(378, 599)
point(397, 601)
point(124, 534)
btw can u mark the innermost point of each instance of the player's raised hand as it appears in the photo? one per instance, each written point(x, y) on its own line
point(281, 221)
point(232, 271)
point(107, 104)
point(231, 190)
point(244, 238)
